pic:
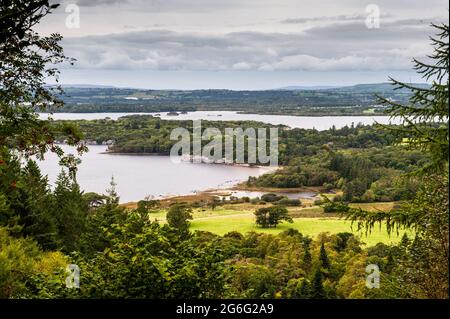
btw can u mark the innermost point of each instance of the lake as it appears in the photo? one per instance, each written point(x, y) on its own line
point(138, 176)
point(307, 122)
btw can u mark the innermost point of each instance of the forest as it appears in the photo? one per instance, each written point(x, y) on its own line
point(123, 252)
point(351, 100)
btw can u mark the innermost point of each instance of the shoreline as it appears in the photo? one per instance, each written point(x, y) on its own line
point(234, 111)
point(211, 193)
point(268, 167)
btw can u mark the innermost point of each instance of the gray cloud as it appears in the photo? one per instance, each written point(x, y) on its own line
point(94, 3)
point(336, 47)
point(342, 18)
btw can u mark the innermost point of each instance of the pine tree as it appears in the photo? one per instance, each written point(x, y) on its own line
point(39, 221)
point(425, 127)
point(112, 197)
point(317, 290)
point(425, 118)
point(305, 290)
point(323, 257)
point(70, 212)
point(307, 258)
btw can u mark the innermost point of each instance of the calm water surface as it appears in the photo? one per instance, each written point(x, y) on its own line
point(138, 176)
point(306, 122)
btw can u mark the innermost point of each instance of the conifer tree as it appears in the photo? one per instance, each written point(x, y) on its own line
point(425, 118)
point(307, 258)
point(323, 257)
point(317, 290)
point(305, 290)
point(425, 127)
point(70, 212)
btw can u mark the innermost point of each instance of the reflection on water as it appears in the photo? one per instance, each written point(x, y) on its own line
point(140, 176)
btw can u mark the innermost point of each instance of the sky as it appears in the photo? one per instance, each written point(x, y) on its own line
point(242, 44)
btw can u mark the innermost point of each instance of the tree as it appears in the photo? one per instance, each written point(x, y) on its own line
point(342, 240)
point(214, 202)
point(70, 212)
point(425, 118)
point(307, 258)
point(22, 258)
point(146, 205)
point(305, 289)
point(26, 62)
point(323, 257)
point(99, 219)
point(178, 217)
point(112, 198)
point(317, 290)
point(267, 217)
point(425, 127)
point(29, 200)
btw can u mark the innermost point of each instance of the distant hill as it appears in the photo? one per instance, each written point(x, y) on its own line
point(307, 88)
point(324, 100)
point(84, 86)
point(377, 88)
point(358, 88)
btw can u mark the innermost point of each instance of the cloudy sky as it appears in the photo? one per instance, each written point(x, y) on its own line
point(242, 44)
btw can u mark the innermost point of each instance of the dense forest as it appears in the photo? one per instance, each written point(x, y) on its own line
point(124, 253)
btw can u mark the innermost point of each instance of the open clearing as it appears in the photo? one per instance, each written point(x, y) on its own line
point(308, 226)
point(309, 221)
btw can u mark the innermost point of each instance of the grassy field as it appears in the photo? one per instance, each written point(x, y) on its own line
point(311, 221)
point(308, 226)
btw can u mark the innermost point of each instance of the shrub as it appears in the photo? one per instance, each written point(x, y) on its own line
point(271, 197)
point(289, 202)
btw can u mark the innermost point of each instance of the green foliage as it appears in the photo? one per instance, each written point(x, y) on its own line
point(323, 257)
point(271, 197)
point(424, 263)
point(146, 205)
point(26, 62)
point(28, 203)
point(123, 253)
point(425, 117)
point(267, 217)
point(70, 212)
point(20, 260)
point(317, 289)
point(178, 217)
point(307, 257)
point(289, 202)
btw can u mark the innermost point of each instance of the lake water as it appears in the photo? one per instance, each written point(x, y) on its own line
point(306, 122)
point(138, 176)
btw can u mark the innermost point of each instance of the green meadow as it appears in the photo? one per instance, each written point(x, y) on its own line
point(307, 226)
point(222, 220)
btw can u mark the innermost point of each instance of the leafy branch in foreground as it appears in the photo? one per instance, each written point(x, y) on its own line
point(27, 61)
point(425, 119)
point(425, 127)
